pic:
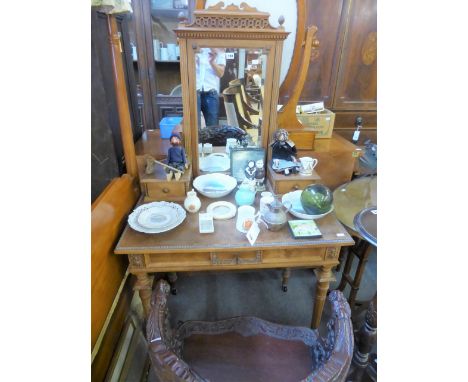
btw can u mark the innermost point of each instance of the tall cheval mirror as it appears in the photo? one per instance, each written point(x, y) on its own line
point(230, 69)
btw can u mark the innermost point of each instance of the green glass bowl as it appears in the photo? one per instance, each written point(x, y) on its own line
point(316, 199)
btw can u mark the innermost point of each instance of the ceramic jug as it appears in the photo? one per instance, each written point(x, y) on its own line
point(276, 216)
point(192, 202)
point(245, 195)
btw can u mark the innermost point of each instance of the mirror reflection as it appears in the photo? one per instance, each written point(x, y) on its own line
point(229, 85)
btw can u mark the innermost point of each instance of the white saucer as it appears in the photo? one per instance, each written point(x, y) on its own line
point(222, 210)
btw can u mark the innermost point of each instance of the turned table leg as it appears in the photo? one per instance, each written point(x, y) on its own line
point(286, 274)
point(144, 287)
point(324, 276)
point(172, 277)
point(359, 272)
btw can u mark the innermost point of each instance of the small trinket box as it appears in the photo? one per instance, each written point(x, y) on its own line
point(205, 223)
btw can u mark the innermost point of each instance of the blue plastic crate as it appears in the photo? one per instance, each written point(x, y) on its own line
point(167, 124)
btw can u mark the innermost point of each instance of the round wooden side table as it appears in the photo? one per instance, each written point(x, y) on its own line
point(350, 200)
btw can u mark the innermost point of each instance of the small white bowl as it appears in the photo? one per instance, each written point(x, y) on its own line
point(214, 185)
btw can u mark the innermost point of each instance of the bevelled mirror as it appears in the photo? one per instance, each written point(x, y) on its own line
point(230, 69)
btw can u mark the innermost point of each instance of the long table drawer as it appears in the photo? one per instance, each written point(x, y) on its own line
point(270, 258)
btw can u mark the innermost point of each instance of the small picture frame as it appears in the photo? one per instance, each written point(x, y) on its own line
point(302, 229)
point(240, 158)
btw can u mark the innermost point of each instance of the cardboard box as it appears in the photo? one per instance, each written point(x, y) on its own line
point(321, 123)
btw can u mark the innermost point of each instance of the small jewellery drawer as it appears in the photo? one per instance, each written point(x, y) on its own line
point(163, 190)
point(283, 187)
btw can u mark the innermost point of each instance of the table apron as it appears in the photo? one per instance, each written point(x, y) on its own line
point(219, 260)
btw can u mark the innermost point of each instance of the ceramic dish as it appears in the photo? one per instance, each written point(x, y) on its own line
point(222, 210)
point(297, 210)
point(156, 217)
point(215, 163)
point(214, 185)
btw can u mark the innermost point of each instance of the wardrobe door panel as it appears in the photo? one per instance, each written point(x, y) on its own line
point(356, 87)
point(321, 76)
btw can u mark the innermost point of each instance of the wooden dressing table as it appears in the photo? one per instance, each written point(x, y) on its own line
point(185, 249)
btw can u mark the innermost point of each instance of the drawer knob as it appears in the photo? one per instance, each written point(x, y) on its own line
point(165, 190)
point(296, 187)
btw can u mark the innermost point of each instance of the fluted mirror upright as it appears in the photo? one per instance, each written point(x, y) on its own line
point(230, 69)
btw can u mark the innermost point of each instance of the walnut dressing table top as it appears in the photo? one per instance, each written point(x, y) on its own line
point(186, 237)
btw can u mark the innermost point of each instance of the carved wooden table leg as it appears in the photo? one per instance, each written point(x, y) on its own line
point(286, 274)
point(144, 286)
point(172, 276)
point(324, 275)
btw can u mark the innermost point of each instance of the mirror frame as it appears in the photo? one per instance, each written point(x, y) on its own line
point(229, 27)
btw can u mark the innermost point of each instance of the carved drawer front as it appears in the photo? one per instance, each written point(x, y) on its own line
point(163, 190)
point(270, 258)
point(205, 260)
point(245, 258)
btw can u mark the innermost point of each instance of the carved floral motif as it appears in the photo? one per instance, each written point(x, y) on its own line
point(136, 261)
point(331, 253)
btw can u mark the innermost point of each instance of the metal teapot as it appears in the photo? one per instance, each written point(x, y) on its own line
point(276, 217)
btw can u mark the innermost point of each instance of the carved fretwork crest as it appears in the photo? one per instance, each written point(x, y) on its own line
point(231, 22)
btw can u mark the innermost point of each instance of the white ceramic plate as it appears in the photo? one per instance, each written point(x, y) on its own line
point(222, 210)
point(156, 217)
point(147, 218)
point(295, 199)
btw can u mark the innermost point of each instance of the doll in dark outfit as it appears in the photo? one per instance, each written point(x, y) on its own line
point(176, 158)
point(284, 149)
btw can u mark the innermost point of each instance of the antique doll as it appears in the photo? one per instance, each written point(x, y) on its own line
point(282, 148)
point(284, 153)
point(176, 157)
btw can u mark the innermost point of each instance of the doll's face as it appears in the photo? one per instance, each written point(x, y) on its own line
point(259, 163)
point(251, 164)
point(281, 136)
point(175, 141)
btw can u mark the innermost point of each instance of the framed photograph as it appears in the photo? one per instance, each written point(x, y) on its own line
point(240, 158)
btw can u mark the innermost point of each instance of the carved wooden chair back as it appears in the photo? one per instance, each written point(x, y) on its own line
point(233, 101)
point(326, 359)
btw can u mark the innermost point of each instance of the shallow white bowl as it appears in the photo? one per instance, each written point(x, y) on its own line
point(294, 198)
point(215, 162)
point(214, 185)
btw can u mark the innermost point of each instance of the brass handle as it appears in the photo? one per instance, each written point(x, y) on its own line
point(165, 190)
point(256, 260)
point(296, 187)
point(216, 261)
